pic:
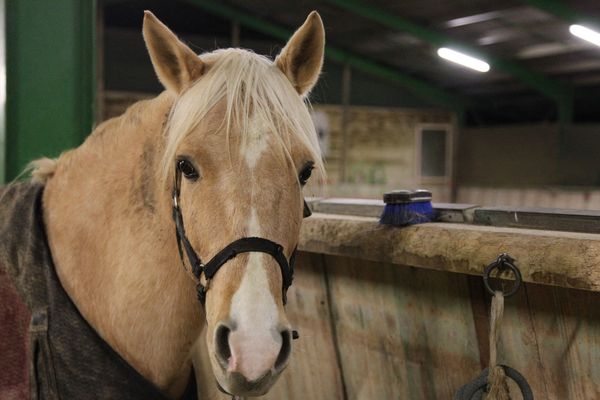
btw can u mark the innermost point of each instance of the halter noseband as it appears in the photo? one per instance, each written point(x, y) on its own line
point(243, 245)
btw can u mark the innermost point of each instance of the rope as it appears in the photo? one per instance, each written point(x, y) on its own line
point(498, 386)
point(492, 384)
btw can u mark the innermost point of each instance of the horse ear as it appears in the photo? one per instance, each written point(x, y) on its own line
point(302, 57)
point(175, 64)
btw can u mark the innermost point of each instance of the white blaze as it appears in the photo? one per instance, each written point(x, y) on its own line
point(253, 303)
point(257, 143)
point(255, 341)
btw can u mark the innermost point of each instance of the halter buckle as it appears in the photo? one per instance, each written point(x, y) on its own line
point(197, 270)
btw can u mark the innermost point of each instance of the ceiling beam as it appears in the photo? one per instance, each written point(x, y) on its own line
point(423, 89)
point(564, 12)
point(541, 83)
point(571, 16)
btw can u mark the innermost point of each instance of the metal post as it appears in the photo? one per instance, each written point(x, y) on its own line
point(346, 87)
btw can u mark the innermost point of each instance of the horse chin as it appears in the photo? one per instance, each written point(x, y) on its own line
point(235, 384)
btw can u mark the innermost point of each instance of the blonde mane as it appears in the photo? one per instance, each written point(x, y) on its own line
point(252, 87)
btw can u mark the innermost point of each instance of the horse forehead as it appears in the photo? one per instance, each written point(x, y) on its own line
point(257, 140)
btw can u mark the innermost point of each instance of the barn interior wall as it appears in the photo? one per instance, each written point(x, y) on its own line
point(529, 155)
point(381, 149)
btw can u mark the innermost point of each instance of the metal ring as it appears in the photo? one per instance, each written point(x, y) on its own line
point(475, 390)
point(503, 262)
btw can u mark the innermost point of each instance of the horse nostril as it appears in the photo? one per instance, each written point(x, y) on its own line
point(286, 349)
point(222, 345)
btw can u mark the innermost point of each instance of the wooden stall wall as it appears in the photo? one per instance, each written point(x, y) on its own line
point(372, 330)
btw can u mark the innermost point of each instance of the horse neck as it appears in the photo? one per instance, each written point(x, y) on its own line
point(112, 238)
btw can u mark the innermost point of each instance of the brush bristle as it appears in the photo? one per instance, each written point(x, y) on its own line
point(407, 213)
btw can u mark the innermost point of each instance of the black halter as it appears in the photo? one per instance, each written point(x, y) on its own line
point(243, 245)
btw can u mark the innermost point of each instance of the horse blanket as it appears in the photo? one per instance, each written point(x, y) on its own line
point(67, 358)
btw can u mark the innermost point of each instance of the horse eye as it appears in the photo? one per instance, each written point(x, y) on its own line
point(187, 169)
point(305, 174)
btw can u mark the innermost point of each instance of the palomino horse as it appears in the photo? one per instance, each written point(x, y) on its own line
point(231, 143)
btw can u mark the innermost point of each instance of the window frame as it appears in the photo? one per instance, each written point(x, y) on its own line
point(447, 178)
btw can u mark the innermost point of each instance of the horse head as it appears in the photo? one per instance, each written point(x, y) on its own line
point(239, 145)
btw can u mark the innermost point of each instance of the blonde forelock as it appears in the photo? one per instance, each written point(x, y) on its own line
point(252, 87)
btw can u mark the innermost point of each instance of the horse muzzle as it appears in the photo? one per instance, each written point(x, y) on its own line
point(250, 363)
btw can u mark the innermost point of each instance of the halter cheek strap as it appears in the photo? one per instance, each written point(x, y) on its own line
point(239, 246)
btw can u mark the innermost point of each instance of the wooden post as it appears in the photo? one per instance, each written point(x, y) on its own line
point(346, 87)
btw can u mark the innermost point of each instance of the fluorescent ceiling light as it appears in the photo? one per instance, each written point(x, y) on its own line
point(463, 59)
point(585, 34)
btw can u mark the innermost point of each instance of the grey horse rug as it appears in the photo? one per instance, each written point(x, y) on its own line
point(67, 358)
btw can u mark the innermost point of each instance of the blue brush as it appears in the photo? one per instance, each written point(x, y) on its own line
point(407, 207)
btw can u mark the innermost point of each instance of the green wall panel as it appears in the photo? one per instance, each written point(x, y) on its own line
point(50, 78)
point(2, 91)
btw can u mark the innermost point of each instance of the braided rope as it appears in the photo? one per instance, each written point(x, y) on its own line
point(492, 383)
point(498, 386)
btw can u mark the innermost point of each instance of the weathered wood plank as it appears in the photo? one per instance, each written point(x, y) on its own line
point(567, 326)
point(552, 336)
point(403, 333)
point(313, 372)
point(411, 333)
point(518, 345)
point(566, 259)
